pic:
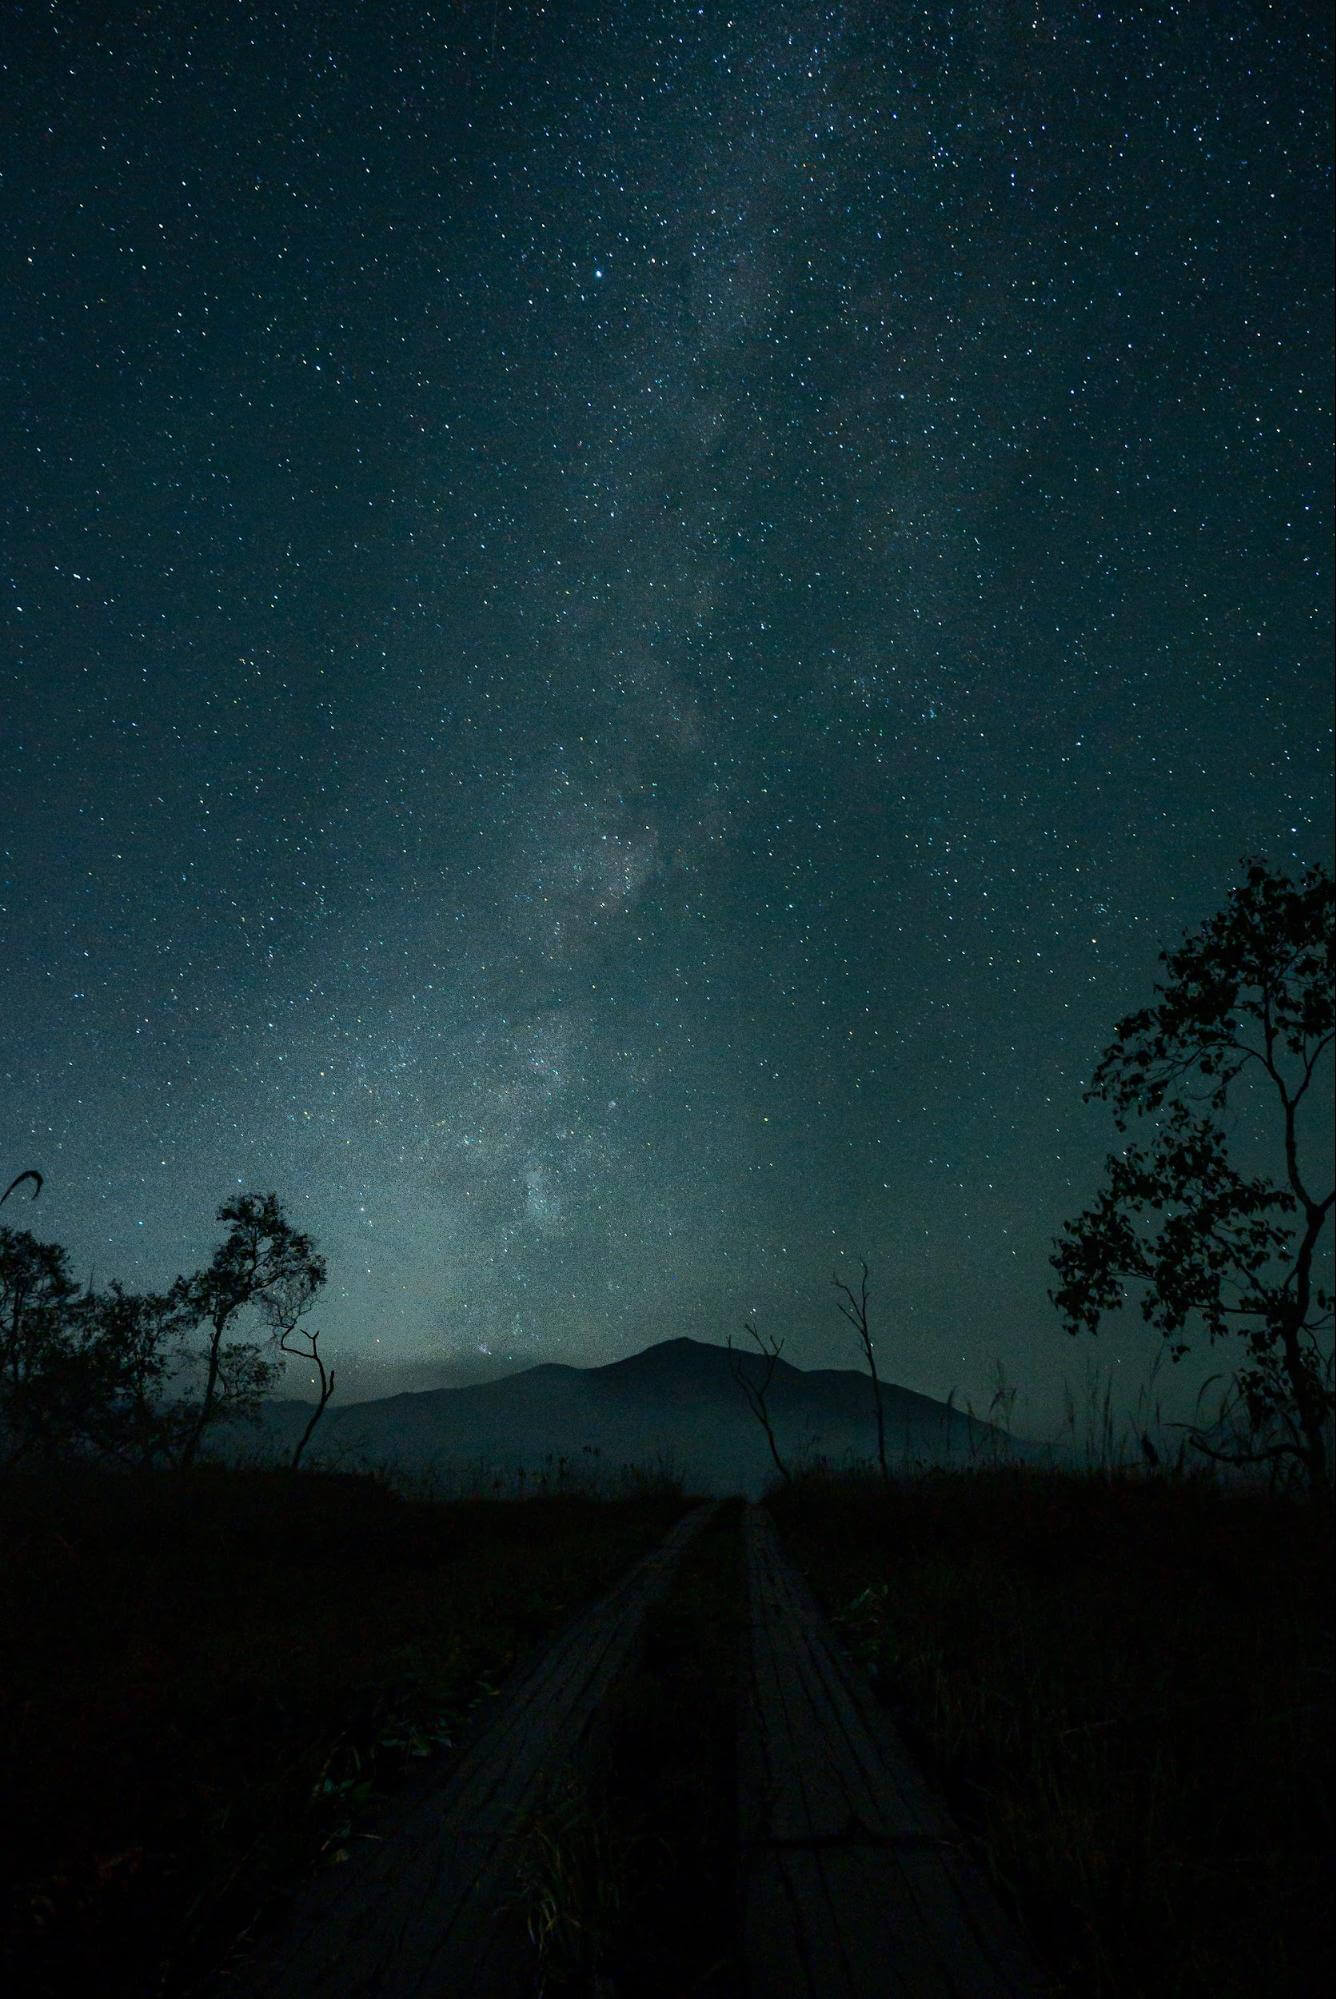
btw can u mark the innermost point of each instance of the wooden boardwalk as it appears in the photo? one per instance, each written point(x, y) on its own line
point(853, 1881)
point(422, 1914)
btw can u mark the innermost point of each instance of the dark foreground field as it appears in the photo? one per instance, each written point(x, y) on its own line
point(1125, 1687)
point(212, 1685)
point(207, 1683)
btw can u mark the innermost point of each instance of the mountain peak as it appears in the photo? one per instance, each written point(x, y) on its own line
point(679, 1400)
point(667, 1356)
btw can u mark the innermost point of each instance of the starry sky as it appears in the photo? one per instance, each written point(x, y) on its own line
point(627, 625)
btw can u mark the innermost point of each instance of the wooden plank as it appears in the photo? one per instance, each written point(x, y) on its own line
point(854, 1880)
point(425, 1910)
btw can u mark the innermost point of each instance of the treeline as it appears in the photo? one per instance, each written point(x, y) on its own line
point(141, 1378)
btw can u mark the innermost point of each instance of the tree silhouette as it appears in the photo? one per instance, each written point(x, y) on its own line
point(37, 1306)
point(263, 1266)
point(135, 1350)
point(101, 1375)
point(1241, 1023)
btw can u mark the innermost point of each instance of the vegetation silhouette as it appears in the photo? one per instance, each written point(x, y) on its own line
point(1248, 1000)
point(121, 1376)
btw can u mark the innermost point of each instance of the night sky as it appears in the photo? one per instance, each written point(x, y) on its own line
point(625, 629)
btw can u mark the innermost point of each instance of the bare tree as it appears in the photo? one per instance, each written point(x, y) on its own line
point(310, 1352)
point(854, 1308)
point(758, 1390)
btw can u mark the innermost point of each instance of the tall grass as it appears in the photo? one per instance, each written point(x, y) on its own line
point(570, 1861)
point(584, 1472)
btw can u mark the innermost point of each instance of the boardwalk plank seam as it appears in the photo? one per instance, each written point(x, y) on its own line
point(855, 1882)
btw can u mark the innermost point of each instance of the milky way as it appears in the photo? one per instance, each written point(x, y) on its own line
point(625, 630)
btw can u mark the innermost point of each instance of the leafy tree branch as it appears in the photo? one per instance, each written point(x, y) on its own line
point(1205, 1244)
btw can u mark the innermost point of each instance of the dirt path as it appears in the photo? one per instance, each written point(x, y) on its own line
point(423, 1912)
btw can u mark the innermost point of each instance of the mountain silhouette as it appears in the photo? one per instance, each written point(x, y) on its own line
point(677, 1404)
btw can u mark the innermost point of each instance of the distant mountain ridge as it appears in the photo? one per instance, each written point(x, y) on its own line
point(677, 1403)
